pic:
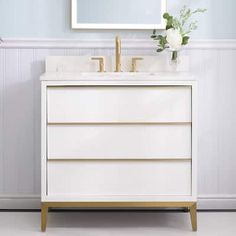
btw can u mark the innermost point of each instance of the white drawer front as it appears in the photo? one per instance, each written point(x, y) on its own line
point(77, 178)
point(119, 141)
point(119, 104)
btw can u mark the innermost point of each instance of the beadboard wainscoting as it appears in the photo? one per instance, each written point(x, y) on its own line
point(213, 62)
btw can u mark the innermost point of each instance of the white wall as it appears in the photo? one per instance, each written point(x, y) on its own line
point(51, 19)
point(21, 63)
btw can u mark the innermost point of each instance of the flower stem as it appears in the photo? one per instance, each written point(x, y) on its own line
point(174, 55)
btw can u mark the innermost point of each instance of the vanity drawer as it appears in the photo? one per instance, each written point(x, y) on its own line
point(119, 104)
point(119, 141)
point(113, 177)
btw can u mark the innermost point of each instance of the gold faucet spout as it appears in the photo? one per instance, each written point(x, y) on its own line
point(118, 54)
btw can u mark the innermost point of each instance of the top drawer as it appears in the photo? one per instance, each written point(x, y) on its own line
point(119, 104)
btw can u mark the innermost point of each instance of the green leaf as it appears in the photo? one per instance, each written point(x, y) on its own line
point(166, 15)
point(160, 49)
point(200, 10)
point(185, 40)
point(169, 22)
point(162, 42)
point(169, 27)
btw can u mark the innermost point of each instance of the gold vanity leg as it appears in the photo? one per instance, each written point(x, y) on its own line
point(193, 214)
point(44, 214)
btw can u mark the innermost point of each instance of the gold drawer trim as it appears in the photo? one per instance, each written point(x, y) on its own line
point(119, 123)
point(120, 158)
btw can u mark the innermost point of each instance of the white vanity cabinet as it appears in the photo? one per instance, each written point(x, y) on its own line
point(118, 141)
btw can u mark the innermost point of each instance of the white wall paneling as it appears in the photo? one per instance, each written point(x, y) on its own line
point(22, 62)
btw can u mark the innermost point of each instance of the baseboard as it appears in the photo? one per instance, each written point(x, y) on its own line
point(215, 202)
point(204, 202)
point(20, 202)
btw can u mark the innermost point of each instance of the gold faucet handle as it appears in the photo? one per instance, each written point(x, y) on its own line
point(134, 63)
point(101, 63)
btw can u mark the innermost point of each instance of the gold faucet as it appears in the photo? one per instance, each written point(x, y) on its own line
point(118, 54)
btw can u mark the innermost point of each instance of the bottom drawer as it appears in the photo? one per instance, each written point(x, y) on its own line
point(119, 177)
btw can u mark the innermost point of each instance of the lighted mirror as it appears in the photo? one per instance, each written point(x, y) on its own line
point(118, 14)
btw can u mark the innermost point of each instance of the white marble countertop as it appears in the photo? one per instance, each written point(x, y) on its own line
point(111, 76)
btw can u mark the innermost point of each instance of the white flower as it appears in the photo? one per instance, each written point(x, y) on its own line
point(174, 39)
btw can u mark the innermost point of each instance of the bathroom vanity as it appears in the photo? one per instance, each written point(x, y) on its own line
point(118, 140)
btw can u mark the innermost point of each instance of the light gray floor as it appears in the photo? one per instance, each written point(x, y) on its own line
point(117, 224)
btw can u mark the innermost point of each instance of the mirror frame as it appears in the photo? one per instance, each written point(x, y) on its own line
point(76, 25)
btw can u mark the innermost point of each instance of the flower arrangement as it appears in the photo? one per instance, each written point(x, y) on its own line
point(177, 31)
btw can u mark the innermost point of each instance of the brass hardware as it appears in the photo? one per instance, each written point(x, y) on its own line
point(118, 54)
point(193, 214)
point(123, 159)
point(117, 204)
point(121, 123)
point(44, 214)
point(101, 63)
point(134, 63)
point(119, 85)
point(190, 205)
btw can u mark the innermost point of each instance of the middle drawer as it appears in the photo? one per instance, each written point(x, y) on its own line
point(150, 141)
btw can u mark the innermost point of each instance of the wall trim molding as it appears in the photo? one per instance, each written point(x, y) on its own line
point(205, 202)
point(108, 43)
point(217, 202)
